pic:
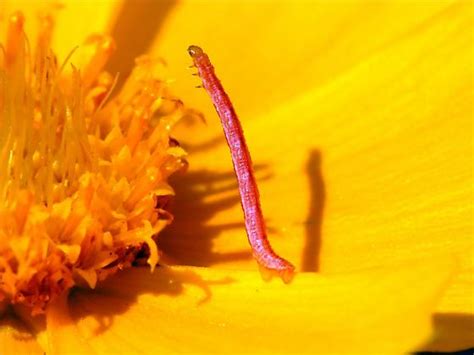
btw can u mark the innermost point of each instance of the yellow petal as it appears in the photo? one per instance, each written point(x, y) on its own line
point(367, 170)
point(15, 338)
point(202, 310)
point(272, 52)
point(386, 146)
point(61, 330)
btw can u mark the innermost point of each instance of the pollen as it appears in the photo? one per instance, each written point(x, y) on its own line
point(83, 165)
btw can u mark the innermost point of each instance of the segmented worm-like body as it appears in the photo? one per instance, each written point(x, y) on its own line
point(249, 195)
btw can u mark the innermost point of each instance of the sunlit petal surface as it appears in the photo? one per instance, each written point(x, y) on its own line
point(364, 167)
point(361, 131)
point(390, 139)
point(191, 309)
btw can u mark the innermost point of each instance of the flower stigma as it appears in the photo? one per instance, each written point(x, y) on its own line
point(82, 169)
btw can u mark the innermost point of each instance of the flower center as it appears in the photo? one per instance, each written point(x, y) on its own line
point(81, 170)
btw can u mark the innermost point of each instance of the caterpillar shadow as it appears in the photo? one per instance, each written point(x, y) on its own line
point(317, 192)
point(200, 195)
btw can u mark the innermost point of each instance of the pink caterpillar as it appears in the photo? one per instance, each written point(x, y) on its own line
point(249, 195)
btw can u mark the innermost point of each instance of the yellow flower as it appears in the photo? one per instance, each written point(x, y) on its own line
point(359, 119)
